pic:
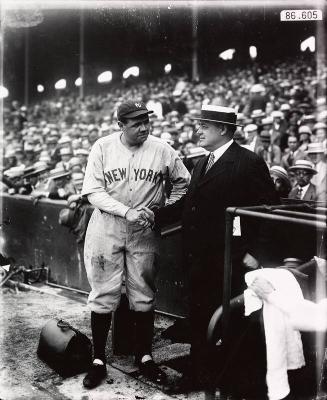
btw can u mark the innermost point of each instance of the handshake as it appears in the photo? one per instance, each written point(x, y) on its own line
point(142, 216)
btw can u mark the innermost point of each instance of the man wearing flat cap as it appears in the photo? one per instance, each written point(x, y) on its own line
point(230, 176)
point(126, 172)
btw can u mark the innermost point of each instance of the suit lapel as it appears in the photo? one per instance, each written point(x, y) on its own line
point(310, 193)
point(221, 166)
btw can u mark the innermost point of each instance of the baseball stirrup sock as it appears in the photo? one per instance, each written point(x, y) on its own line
point(100, 325)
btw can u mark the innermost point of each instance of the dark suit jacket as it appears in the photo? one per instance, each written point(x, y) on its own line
point(310, 194)
point(238, 178)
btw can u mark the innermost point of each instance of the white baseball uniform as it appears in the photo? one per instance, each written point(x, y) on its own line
point(112, 244)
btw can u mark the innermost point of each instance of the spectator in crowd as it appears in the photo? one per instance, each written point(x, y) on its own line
point(93, 135)
point(304, 137)
point(257, 99)
point(83, 156)
point(279, 130)
point(319, 131)
point(60, 186)
point(292, 153)
point(317, 154)
point(257, 116)
point(269, 152)
point(65, 154)
point(281, 181)
point(304, 189)
point(70, 120)
point(253, 141)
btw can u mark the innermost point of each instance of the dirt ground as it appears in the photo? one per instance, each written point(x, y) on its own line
point(24, 376)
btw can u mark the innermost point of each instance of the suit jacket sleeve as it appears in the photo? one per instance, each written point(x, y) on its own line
point(169, 214)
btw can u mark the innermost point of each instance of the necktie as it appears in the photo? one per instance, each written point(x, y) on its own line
point(299, 193)
point(291, 159)
point(210, 163)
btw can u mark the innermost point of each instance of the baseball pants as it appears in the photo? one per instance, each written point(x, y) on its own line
point(115, 248)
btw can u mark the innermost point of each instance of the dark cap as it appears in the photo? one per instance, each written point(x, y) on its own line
point(132, 109)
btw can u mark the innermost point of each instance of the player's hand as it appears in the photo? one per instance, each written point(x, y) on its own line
point(149, 214)
point(135, 216)
point(262, 287)
point(147, 217)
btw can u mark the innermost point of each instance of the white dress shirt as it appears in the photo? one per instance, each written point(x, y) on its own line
point(221, 150)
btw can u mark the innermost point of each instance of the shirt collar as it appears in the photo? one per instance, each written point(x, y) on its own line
point(221, 150)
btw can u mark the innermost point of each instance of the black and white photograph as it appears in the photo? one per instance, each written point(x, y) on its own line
point(163, 200)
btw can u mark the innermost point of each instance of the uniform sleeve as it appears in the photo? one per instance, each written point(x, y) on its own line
point(94, 186)
point(179, 178)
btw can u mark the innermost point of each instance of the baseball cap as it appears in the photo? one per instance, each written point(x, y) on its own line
point(132, 109)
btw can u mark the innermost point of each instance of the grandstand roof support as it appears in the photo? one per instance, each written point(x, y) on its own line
point(81, 53)
point(195, 70)
point(321, 53)
point(26, 67)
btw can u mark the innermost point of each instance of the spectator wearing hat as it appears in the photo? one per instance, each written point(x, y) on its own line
point(316, 154)
point(66, 154)
point(257, 117)
point(279, 130)
point(10, 159)
point(253, 141)
point(319, 132)
point(309, 120)
point(20, 156)
point(75, 164)
point(30, 158)
point(281, 181)
point(229, 175)
point(60, 186)
point(53, 149)
point(93, 135)
point(36, 180)
point(292, 153)
point(304, 189)
point(12, 179)
point(285, 109)
point(295, 117)
point(83, 155)
point(269, 152)
point(304, 137)
point(257, 100)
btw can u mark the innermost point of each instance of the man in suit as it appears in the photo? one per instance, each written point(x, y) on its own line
point(304, 189)
point(229, 176)
point(316, 153)
point(292, 153)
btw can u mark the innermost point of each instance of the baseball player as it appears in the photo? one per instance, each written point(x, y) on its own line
point(126, 172)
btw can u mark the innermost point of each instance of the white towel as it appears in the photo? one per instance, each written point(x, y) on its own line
point(283, 343)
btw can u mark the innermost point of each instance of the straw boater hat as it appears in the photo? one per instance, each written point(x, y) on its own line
point(224, 115)
point(279, 172)
point(58, 173)
point(315, 148)
point(305, 165)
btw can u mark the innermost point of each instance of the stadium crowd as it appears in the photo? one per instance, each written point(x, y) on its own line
point(280, 107)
